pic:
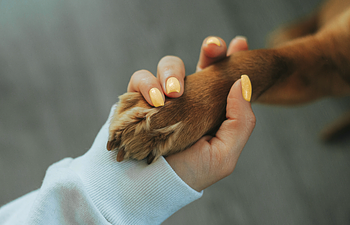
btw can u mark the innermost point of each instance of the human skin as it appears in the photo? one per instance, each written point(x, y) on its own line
point(212, 157)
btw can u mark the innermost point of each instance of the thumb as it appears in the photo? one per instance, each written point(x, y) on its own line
point(240, 122)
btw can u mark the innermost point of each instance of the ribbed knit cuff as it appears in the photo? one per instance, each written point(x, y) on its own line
point(131, 192)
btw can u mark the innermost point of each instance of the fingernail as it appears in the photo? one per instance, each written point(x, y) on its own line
point(240, 37)
point(246, 88)
point(213, 40)
point(172, 85)
point(156, 97)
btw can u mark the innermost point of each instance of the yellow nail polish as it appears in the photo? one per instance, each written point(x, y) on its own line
point(213, 40)
point(156, 97)
point(246, 88)
point(172, 85)
point(241, 37)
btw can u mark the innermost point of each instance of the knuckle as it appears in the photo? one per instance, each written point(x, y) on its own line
point(249, 124)
point(169, 60)
point(165, 59)
point(139, 73)
point(251, 120)
point(175, 58)
point(141, 79)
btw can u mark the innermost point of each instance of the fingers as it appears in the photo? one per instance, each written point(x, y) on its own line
point(236, 129)
point(171, 71)
point(239, 43)
point(148, 85)
point(240, 117)
point(171, 74)
point(213, 50)
point(169, 81)
point(212, 158)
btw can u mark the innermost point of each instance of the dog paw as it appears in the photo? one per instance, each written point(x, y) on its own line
point(139, 131)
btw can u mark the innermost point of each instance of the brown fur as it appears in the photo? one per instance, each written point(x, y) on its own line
point(311, 60)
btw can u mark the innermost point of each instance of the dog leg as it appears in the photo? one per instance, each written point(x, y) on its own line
point(299, 71)
point(140, 131)
point(310, 24)
point(304, 27)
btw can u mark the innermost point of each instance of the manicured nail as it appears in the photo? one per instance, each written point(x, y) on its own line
point(213, 40)
point(241, 37)
point(156, 97)
point(246, 88)
point(172, 85)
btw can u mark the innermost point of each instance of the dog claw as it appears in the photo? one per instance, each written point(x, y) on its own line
point(121, 154)
point(113, 144)
point(139, 131)
point(150, 158)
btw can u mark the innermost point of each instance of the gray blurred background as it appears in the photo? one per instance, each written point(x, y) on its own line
point(63, 64)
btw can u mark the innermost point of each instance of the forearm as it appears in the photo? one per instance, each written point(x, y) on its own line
point(95, 188)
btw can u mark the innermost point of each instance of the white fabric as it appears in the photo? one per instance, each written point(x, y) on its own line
point(95, 189)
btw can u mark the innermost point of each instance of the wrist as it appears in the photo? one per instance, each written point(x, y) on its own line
point(184, 171)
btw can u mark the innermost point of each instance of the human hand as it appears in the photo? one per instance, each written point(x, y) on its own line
point(211, 158)
point(172, 67)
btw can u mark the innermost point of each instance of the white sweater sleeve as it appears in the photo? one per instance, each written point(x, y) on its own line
point(95, 189)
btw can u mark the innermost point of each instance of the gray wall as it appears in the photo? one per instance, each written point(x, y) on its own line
point(63, 63)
